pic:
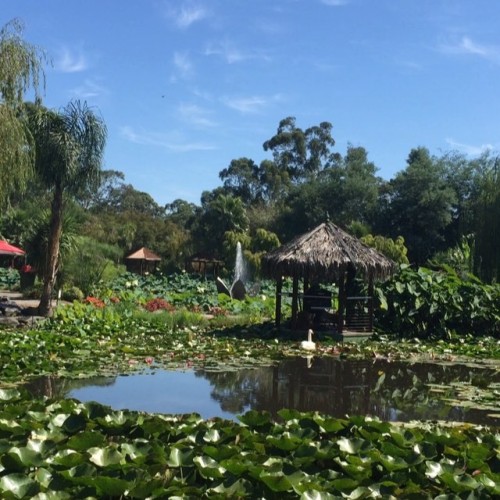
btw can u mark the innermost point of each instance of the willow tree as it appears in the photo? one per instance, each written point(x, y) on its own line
point(21, 70)
point(69, 147)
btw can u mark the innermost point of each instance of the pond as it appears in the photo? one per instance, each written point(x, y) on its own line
point(394, 391)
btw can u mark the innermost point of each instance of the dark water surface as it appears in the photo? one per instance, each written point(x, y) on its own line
point(394, 391)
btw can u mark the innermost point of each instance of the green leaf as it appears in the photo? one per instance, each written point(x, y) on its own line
point(233, 488)
point(344, 484)
point(459, 482)
point(85, 440)
point(138, 451)
point(68, 458)
point(393, 463)
point(317, 495)
point(103, 457)
point(254, 418)
point(111, 486)
point(211, 436)
point(18, 485)
point(352, 446)
point(43, 476)
point(434, 469)
point(328, 424)
point(74, 423)
point(180, 457)
point(286, 441)
point(9, 394)
point(25, 456)
point(81, 471)
point(208, 467)
point(379, 383)
point(277, 482)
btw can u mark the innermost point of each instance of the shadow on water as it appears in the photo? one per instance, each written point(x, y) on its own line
point(393, 391)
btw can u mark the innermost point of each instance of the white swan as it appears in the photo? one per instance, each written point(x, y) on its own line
point(309, 360)
point(308, 344)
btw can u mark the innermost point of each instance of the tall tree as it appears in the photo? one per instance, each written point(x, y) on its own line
point(125, 198)
point(241, 179)
point(20, 70)
point(219, 215)
point(359, 185)
point(69, 153)
point(487, 222)
point(302, 154)
point(420, 205)
point(182, 213)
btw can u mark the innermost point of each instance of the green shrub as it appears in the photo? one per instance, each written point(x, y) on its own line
point(9, 278)
point(424, 303)
point(73, 293)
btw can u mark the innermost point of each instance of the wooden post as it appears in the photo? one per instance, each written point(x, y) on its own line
point(295, 308)
point(342, 301)
point(370, 303)
point(279, 287)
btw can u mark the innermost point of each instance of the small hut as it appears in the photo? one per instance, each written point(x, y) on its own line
point(142, 261)
point(203, 264)
point(326, 255)
point(9, 253)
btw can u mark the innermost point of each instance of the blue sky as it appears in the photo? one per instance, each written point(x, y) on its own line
point(185, 86)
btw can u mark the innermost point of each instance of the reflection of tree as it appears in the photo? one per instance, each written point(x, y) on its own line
point(56, 387)
point(342, 387)
point(328, 385)
point(338, 387)
point(408, 387)
point(240, 390)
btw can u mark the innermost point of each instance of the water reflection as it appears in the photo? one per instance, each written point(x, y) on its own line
point(388, 390)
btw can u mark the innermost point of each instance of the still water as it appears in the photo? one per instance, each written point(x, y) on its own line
point(393, 391)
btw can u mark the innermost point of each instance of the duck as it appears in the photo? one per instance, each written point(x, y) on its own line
point(308, 344)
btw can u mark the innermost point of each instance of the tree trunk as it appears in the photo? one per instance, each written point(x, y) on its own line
point(54, 240)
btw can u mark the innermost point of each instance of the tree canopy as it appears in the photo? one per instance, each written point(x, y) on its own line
point(21, 70)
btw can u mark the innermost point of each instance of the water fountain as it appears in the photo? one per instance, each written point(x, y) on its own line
point(237, 290)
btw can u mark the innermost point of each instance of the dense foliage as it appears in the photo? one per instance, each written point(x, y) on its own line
point(64, 449)
point(428, 304)
point(9, 278)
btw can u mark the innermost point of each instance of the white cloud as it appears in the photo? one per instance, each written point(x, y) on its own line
point(469, 47)
point(183, 64)
point(410, 65)
point(195, 115)
point(71, 62)
point(88, 89)
point(468, 148)
point(187, 14)
point(164, 140)
point(334, 3)
point(251, 104)
point(228, 51)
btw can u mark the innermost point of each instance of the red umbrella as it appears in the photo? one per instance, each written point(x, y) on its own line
point(8, 249)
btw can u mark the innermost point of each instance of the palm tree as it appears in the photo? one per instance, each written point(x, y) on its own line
point(69, 152)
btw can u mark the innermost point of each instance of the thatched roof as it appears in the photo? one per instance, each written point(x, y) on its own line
point(325, 253)
point(144, 254)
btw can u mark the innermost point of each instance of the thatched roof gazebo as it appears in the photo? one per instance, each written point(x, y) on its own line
point(142, 261)
point(324, 255)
